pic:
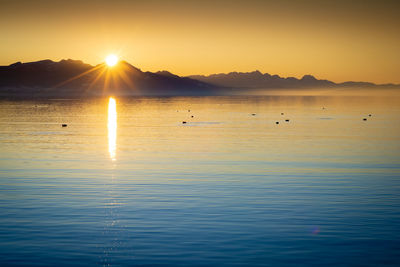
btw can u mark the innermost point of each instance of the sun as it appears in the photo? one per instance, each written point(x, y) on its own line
point(111, 60)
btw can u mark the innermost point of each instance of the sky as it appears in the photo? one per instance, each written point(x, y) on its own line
point(335, 40)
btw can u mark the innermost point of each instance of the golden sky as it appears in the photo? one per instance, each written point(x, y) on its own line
point(336, 40)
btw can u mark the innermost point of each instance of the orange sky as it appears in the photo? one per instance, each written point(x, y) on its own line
point(336, 40)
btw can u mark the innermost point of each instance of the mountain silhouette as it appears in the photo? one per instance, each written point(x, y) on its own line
point(258, 80)
point(75, 79)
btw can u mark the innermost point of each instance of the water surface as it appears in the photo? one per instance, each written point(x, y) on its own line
point(133, 185)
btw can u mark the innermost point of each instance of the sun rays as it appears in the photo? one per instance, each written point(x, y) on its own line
point(111, 60)
point(107, 78)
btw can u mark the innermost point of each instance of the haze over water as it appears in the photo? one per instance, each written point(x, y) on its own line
point(127, 183)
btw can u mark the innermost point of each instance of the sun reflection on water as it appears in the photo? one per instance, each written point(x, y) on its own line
point(112, 128)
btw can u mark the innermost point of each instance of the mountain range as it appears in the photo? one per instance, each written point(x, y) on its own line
point(75, 79)
point(258, 80)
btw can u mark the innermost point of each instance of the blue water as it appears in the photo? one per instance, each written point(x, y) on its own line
point(225, 189)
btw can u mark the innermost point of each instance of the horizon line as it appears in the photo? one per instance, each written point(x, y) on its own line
point(210, 74)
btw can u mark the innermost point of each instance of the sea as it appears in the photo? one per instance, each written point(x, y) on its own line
point(200, 181)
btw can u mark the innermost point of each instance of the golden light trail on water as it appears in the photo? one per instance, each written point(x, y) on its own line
point(112, 128)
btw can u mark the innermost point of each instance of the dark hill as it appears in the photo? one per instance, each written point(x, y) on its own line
point(73, 78)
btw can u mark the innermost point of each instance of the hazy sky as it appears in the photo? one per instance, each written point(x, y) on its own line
point(335, 40)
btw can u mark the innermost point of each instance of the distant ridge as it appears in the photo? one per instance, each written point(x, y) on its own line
point(258, 80)
point(76, 79)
